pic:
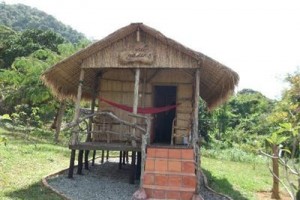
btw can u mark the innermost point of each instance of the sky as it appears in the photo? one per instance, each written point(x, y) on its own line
point(259, 39)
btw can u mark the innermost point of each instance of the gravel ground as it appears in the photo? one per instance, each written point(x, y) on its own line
point(105, 181)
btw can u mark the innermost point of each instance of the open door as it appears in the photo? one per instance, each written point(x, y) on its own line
point(163, 96)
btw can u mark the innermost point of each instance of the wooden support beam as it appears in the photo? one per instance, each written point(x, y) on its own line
point(71, 166)
point(89, 135)
point(145, 140)
point(77, 107)
point(94, 157)
point(102, 156)
point(133, 167)
point(195, 140)
point(135, 100)
point(120, 159)
point(80, 158)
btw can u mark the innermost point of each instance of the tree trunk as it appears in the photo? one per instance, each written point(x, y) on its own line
point(275, 189)
point(59, 118)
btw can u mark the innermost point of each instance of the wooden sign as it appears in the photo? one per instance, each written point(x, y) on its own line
point(140, 53)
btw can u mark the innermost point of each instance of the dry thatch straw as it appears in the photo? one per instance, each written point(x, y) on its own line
point(217, 82)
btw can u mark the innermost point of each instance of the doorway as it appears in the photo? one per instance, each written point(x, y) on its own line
point(163, 96)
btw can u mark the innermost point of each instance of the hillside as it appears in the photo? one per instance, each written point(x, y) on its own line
point(20, 17)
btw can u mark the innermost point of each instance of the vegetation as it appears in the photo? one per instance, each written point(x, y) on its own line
point(25, 159)
point(240, 136)
point(20, 17)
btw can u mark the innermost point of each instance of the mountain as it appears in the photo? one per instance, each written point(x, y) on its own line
point(20, 17)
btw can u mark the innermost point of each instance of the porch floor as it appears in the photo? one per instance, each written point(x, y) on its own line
point(105, 146)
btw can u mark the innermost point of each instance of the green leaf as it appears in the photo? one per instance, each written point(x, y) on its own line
point(5, 116)
point(286, 150)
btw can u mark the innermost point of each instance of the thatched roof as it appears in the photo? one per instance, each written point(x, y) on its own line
point(217, 81)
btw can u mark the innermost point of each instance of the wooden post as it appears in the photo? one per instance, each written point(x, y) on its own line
point(79, 167)
point(143, 149)
point(102, 156)
point(94, 156)
point(195, 129)
point(72, 160)
point(89, 135)
point(77, 108)
point(61, 111)
point(135, 101)
point(120, 159)
point(132, 174)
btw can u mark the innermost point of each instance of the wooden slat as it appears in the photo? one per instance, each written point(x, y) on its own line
point(104, 146)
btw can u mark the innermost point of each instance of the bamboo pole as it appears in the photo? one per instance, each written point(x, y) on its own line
point(143, 149)
point(77, 107)
point(95, 95)
point(195, 129)
point(135, 100)
point(89, 134)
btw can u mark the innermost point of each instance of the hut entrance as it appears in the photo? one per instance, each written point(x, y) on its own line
point(163, 96)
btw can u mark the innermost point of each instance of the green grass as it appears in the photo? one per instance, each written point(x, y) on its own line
point(238, 180)
point(24, 161)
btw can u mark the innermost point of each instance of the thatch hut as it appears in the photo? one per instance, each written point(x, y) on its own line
point(138, 70)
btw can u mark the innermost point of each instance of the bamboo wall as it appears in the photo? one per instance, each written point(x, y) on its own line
point(167, 66)
point(164, 56)
point(118, 85)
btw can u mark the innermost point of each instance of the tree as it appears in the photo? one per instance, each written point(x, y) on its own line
point(287, 114)
point(20, 17)
point(27, 42)
point(275, 140)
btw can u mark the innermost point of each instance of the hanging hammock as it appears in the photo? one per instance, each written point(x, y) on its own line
point(147, 110)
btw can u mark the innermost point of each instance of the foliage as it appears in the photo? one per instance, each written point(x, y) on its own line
point(24, 95)
point(287, 159)
point(21, 17)
point(205, 124)
point(240, 123)
point(27, 42)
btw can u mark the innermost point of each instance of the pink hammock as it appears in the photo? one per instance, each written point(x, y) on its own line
point(147, 110)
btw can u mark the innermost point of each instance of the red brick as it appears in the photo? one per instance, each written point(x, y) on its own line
point(161, 165)
point(186, 195)
point(148, 192)
point(175, 181)
point(189, 181)
point(161, 180)
point(161, 153)
point(149, 165)
point(151, 153)
point(173, 195)
point(174, 166)
point(149, 179)
point(175, 153)
point(158, 194)
point(188, 167)
point(187, 154)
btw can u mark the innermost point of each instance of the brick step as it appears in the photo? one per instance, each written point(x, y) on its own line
point(172, 181)
point(166, 165)
point(167, 194)
point(171, 153)
point(168, 188)
point(170, 173)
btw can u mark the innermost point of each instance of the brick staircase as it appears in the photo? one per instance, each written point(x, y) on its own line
point(169, 173)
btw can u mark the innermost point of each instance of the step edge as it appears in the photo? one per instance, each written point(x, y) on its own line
point(170, 159)
point(169, 173)
point(168, 188)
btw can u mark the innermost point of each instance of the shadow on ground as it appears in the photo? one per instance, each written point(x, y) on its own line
point(223, 186)
point(35, 191)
